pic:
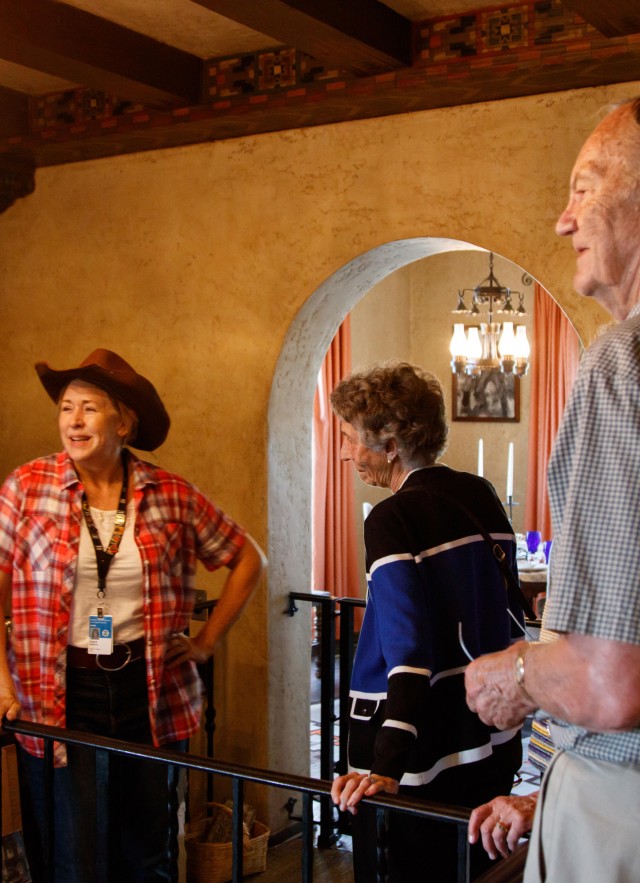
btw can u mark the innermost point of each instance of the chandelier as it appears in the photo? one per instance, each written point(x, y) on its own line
point(490, 345)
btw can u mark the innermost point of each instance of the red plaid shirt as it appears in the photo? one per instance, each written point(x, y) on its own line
point(40, 519)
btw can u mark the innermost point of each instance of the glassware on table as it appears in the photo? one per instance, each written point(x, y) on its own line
point(534, 538)
point(521, 547)
point(546, 546)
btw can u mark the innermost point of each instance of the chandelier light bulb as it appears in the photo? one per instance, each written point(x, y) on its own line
point(507, 343)
point(522, 348)
point(474, 345)
point(458, 345)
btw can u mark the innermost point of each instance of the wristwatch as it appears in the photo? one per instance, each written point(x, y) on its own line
point(519, 674)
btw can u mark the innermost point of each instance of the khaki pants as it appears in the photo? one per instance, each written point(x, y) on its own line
point(587, 824)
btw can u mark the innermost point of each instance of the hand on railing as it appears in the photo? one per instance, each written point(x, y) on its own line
point(347, 791)
point(502, 823)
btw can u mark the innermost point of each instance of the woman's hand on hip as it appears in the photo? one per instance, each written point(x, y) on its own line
point(182, 648)
point(347, 791)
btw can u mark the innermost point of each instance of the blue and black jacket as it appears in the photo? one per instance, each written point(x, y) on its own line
point(436, 596)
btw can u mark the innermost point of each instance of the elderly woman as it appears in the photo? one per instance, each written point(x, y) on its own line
point(436, 598)
point(98, 552)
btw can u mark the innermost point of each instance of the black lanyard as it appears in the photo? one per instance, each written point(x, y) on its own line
point(104, 556)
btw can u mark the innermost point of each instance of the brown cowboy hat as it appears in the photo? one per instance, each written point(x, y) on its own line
point(111, 373)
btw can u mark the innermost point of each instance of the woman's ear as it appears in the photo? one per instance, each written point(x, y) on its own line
point(127, 427)
point(391, 448)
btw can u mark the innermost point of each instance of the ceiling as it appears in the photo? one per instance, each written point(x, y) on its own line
point(91, 78)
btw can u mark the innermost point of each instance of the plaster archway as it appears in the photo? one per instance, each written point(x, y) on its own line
point(290, 478)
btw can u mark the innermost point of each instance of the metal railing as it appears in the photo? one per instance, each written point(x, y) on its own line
point(331, 609)
point(239, 774)
point(330, 828)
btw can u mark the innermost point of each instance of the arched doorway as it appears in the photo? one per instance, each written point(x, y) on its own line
point(290, 468)
point(290, 475)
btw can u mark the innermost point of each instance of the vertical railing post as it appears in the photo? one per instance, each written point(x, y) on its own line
point(175, 779)
point(206, 671)
point(103, 844)
point(48, 851)
point(237, 830)
point(346, 667)
point(307, 838)
point(327, 836)
point(463, 854)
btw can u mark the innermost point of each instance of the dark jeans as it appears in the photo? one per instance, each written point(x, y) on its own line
point(125, 812)
point(422, 850)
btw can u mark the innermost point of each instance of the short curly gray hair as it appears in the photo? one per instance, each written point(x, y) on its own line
point(395, 400)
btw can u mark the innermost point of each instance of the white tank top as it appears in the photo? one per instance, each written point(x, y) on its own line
point(123, 596)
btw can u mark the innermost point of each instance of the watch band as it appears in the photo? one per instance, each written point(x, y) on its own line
point(520, 674)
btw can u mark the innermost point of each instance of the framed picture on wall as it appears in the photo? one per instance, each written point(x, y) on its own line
point(491, 396)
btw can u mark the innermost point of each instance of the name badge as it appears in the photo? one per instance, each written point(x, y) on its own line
point(100, 635)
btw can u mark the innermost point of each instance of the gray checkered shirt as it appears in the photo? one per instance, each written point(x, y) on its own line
point(594, 493)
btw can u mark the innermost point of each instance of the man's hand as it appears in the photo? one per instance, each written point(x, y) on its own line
point(492, 690)
point(502, 822)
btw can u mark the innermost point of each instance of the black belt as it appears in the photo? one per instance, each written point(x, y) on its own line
point(123, 654)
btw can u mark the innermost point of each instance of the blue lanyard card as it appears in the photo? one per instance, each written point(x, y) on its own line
point(101, 635)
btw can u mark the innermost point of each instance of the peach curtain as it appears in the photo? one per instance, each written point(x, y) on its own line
point(335, 550)
point(555, 353)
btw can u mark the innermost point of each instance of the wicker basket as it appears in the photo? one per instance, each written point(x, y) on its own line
point(212, 862)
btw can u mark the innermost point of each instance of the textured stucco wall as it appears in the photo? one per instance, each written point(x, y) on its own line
point(223, 270)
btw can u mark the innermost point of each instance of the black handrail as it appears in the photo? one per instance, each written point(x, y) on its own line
point(206, 671)
point(331, 608)
point(240, 774)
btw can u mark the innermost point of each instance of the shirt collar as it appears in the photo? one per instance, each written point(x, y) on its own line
point(67, 473)
point(635, 311)
point(413, 471)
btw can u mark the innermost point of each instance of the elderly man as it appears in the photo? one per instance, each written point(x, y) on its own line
point(588, 680)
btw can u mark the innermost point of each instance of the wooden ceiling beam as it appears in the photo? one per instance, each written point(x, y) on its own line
point(163, 130)
point(86, 50)
point(363, 36)
point(615, 18)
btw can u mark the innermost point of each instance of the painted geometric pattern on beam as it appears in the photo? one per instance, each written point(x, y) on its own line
point(448, 49)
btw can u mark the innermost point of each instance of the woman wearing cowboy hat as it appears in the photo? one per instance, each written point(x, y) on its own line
point(98, 552)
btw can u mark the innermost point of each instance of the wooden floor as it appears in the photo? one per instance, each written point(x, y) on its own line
point(284, 864)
